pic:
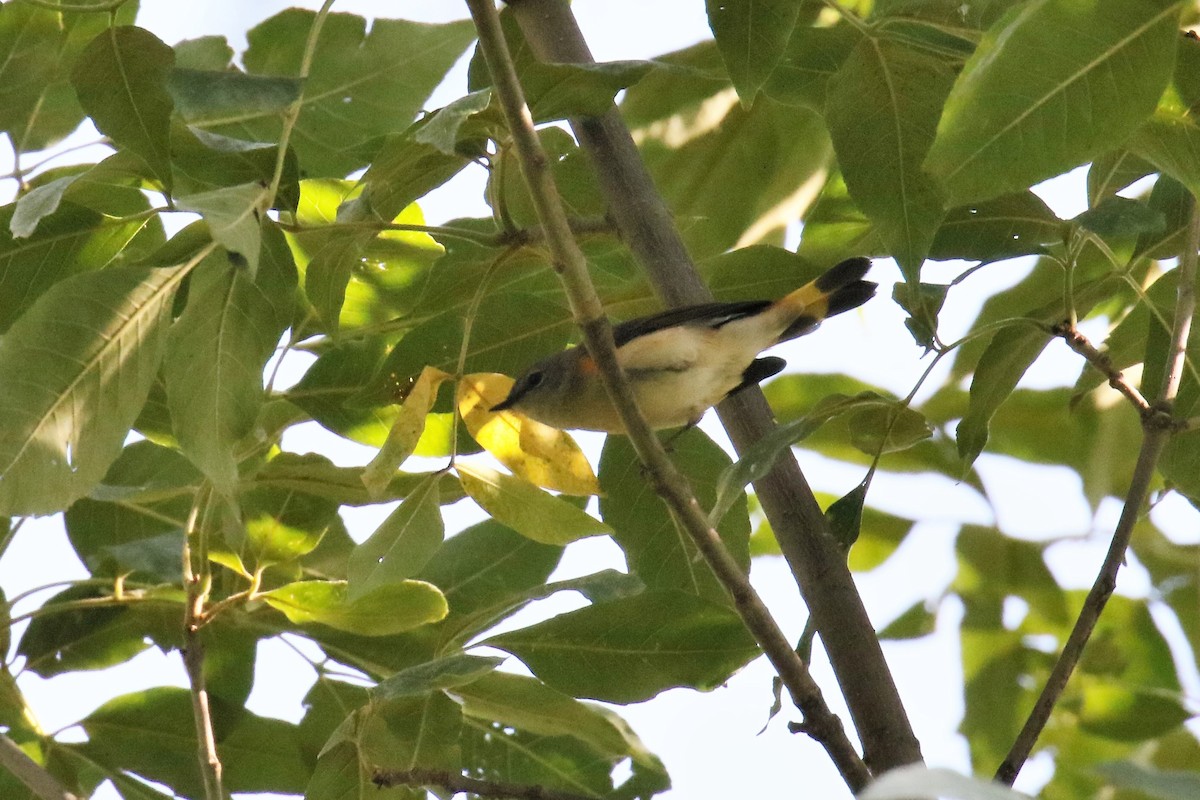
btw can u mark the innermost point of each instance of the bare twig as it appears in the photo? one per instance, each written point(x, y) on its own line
point(454, 782)
point(670, 484)
point(814, 556)
point(293, 113)
point(30, 773)
point(1081, 345)
point(1157, 427)
point(196, 585)
point(514, 237)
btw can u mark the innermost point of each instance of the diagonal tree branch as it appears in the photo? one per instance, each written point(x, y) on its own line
point(571, 265)
point(815, 557)
point(1157, 426)
point(32, 774)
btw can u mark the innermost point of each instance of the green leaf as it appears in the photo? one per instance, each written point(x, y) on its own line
point(216, 353)
point(441, 130)
point(314, 474)
point(1120, 217)
point(38, 48)
point(1130, 715)
point(996, 229)
point(133, 522)
point(64, 639)
point(36, 204)
point(443, 673)
point(835, 229)
point(752, 36)
point(71, 240)
point(525, 508)
point(203, 53)
point(278, 525)
point(1172, 199)
point(812, 57)
point(913, 623)
point(658, 551)
point(1171, 143)
point(557, 763)
point(208, 96)
point(362, 85)
point(729, 174)
point(89, 350)
point(410, 165)
point(393, 608)
point(1009, 354)
point(206, 162)
point(1053, 84)
point(234, 216)
point(1114, 171)
point(758, 459)
point(532, 706)
point(629, 650)
point(121, 81)
point(881, 110)
point(887, 428)
point(1160, 784)
point(152, 734)
point(402, 544)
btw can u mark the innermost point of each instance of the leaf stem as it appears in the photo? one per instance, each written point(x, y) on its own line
point(293, 113)
point(196, 583)
point(1157, 427)
point(571, 265)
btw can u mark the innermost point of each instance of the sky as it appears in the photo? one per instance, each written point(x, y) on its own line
point(711, 742)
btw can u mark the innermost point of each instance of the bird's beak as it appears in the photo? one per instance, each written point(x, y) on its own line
point(504, 405)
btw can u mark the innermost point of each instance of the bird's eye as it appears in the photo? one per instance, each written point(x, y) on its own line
point(534, 379)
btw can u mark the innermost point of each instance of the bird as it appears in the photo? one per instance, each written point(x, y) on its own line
point(685, 360)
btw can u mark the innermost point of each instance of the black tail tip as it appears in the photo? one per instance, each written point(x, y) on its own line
point(850, 295)
point(844, 273)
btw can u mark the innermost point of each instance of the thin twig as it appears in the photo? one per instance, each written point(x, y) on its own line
point(1116, 379)
point(1157, 428)
point(193, 651)
point(30, 773)
point(454, 782)
point(670, 484)
point(502, 238)
point(293, 113)
point(812, 553)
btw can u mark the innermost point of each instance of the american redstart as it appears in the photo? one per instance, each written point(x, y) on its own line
point(684, 361)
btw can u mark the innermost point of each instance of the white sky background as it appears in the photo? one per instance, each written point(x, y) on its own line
point(709, 742)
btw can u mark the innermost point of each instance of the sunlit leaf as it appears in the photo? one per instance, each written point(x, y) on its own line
point(525, 508)
point(393, 608)
point(540, 454)
point(406, 430)
point(87, 353)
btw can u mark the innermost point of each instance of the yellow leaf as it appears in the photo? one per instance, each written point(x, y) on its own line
point(540, 454)
point(405, 432)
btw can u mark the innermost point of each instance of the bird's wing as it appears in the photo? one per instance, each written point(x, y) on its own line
point(704, 315)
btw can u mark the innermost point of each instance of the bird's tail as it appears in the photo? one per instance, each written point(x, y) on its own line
point(838, 289)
